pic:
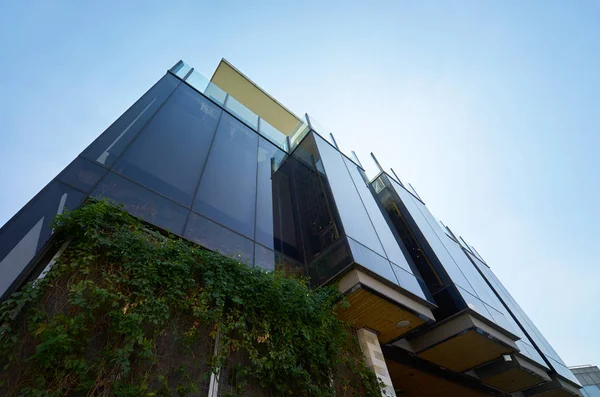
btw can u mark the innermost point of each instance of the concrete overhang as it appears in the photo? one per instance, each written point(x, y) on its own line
point(249, 94)
point(380, 307)
point(512, 373)
point(558, 387)
point(463, 341)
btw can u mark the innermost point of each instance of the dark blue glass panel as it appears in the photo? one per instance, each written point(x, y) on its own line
point(269, 158)
point(82, 174)
point(108, 146)
point(218, 238)
point(409, 282)
point(142, 203)
point(227, 192)
point(348, 202)
point(170, 152)
point(26, 233)
point(264, 258)
point(386, 237)
point(372, 261)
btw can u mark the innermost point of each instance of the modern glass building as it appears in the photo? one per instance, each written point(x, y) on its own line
point(589, 377)
point(222, 163)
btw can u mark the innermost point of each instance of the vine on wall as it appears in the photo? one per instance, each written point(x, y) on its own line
point(127, 311)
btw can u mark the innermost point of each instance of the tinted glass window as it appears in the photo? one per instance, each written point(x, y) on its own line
point(350, 207)
point(227, 192)
point(264, 258)
point(115, 139)
point(217, 238)
point(142, 203)
point(414, 208)
point(26, 233)
point(409, 282)
point(390, 245)
point(170, 152)
point(372, 261)
point(82, 174)
point(269, 158)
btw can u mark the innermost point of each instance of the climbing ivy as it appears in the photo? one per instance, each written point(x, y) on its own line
point(128, 311)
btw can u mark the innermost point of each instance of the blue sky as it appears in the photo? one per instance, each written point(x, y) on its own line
point(490, 109)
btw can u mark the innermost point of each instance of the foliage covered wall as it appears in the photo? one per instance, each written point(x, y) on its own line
point(127, 311)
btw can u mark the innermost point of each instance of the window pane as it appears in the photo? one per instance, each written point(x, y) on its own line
point(217, 238)
point(264, 257)
point(386, 237)
point(269, 158)
point(170, 152)
point(409, 282)
point(242, 112)
point(22, 237)
point(273, 134)
point(180, 69)
point(372, 261)
point(82, 174)
point(113, 141)
point(351, 209)
point(227, 192)
point(142, 203)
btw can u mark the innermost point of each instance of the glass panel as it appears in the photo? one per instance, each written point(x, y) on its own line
point(242, 112)
point(372, 261)
point(331, 262)
point(82, 174)
point(180, 69)
point(217, 238)
point(269, 158)
point(409, 282)
point(115, 139)
point(357, 223)
point(273, 134)
point(475, 304)
point(26, 233)
point(142, 203)
point(209, 89)
point(591, 391)
point(169, 154)
point(227, 192)
point(298, 135)
point(264, 258)
point(386, 237)
point(414, 208)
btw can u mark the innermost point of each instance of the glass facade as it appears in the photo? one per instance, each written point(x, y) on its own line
point(189, 158)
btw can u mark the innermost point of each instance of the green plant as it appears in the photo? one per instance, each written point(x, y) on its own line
point(128, 311)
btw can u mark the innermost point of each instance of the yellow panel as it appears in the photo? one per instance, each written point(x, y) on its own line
point(513, 380)
point(410, 382)
point(254, 98)
point(369, 310)
point(465, 351)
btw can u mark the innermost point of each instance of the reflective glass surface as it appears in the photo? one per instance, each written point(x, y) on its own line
point(264, 258)
point(170, 152)
point(142, 203)
point(414, 208)
point(523, 320)
point(273, 134)
point(82, 174)
point(181, 69)
point(202, 84)
point(590, 391)
point(353, 214)
point(227, 192)
point(218, 238)
point(115, 139)
point(242, 112)
point(26, 233)
point(372, 261)
point(269, 158)
point(386, 237)
point(409, 282)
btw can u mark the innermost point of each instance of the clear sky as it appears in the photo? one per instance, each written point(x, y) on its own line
point(491, 109)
